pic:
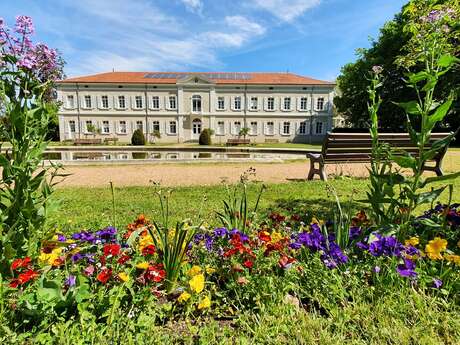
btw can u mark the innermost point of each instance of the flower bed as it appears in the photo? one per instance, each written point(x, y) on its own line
point(226, 270)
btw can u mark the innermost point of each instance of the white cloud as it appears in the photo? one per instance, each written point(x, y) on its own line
point(286, 10)
point(244, 24)
point(138, 36)
point(195, 6)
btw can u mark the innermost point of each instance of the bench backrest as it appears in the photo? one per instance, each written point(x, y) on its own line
point(358, 146)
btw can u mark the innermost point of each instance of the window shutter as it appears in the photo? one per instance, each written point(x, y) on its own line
point(299, 101)
point(67, 127)
point(232, 103)
point(167, 107)
point(309, 100)
point(281, 127)
point(277, 103)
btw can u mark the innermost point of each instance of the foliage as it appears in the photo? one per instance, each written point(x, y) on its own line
point(392, 43)
point(205, 137)
point(138, 137)
point(244, 132)
point(27, 73)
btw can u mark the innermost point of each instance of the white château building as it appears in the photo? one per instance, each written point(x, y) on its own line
point(178, 106)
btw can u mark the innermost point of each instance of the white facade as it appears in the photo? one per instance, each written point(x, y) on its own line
point(179, 111)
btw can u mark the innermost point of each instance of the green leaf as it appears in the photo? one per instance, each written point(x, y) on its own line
point(441, 178)
point(447, 60)
point(428, 222)
point(411, 107)
point(439, 113)
point(404, 161)
point(429, 197)
point(416, 77)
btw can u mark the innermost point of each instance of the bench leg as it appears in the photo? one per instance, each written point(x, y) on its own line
point(438, 171)
point(320, 171)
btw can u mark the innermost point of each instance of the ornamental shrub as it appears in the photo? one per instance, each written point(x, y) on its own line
point(205, 137)
point(138, 138)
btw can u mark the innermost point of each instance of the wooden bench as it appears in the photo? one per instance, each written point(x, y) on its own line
point(232, 142)
point(110, 140)
point(271, 141)
point(357, 148)
point(86, 141)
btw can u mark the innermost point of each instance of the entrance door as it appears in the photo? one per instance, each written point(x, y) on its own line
point(196, 129)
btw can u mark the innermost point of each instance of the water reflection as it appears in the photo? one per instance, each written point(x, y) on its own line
point(164, 155)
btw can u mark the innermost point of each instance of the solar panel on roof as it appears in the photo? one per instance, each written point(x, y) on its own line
point(211, 75)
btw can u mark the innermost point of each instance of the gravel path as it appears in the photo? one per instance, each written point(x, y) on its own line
point(210, 174)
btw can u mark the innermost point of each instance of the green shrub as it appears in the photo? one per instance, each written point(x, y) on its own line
point(205, 137)
point(138, 138)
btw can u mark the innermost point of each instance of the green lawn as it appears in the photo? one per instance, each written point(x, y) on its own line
point(85, 207)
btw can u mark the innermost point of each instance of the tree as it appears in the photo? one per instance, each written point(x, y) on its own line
point(205, 136)
point(138, 137)
point(392, 43)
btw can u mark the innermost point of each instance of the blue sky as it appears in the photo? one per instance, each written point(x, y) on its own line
point(308, 37)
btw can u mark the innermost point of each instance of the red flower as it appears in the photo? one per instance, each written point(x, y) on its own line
point(285, 261)
point(14, 283)
point(155, 273)
point(148, 250)
point(264, 236)
point(248, 264)
point(112, 249)
point(124, 258)
point(20, 263)
point(104, 275)
point(23, 278)
point(276, 217)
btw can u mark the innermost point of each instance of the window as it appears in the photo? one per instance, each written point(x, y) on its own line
point(287, 103)
point(155, 102)
point(87, 101)
point(320, 103)
point(254, 103)
point(303, 128)
point(220, 103)
point(319, 128)
point(121, 102)
point(253, 128)
point(237, 103)
point(105, 127)
point(196, 127)
point(220, 130)
point(271, 103)
point(138, 100)
point(139, 125)
point(72, 127)
point(172, 102)
point(70, 102)
point(270, 128)
point(172, 127)
point(89, 126)
point(196, 103)
point(122, 127)
point(104, 102)
point(303, 103)
point(236, 127)
point(156, 126)
point(286, 128)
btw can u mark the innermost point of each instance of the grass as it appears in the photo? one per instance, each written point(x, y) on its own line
point(92, 207)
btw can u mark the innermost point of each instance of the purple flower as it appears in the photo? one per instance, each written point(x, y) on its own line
point(208, 242)
point(376, 269)
point(61, 238)
point(407, 269)
point(437, 283)
point(198, 238)
point(386, 246)
point(70, 281)
point(107, 234)
point(24, 25)
point(412, 251)
point(355, 232)
point(220, 232)
point(84, 236)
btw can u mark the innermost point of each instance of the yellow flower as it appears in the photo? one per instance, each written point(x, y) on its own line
point(142, 265)
point(204, 303)
point(210, 270)
point(434, 248)
point(145, 241)
point(453, 258)
point(123, 276)
point(51, 258)
point(184, 296)
point(314, 220)
point(276, 237)
point(194, 271)
point(197, 283)
point(413, 241)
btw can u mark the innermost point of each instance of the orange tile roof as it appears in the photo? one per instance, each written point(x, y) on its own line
point(252, 78)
